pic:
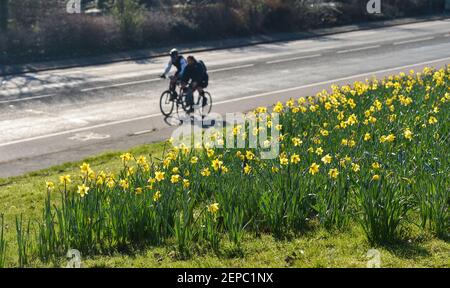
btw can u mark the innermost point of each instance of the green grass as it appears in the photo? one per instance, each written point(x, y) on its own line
point(316, 248)
point(25, 195)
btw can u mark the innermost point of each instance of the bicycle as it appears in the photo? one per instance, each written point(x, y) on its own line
point(201, 103)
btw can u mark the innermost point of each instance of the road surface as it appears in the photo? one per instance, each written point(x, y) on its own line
point(56, 116)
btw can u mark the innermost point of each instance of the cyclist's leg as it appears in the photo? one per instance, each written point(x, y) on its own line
point(190, 96)
point(173, 84)
point(201, 92)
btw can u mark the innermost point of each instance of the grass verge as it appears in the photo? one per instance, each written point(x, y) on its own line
point(316, 248)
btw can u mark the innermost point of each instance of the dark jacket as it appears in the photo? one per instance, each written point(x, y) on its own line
point(195, 72)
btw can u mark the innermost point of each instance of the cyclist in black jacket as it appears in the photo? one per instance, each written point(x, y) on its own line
point(196, 74)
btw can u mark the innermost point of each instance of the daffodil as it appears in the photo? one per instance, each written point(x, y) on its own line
point(297, 141)
point(130, 171)
point(278, 108)
point(124, 184)
point(65, 179)
point(314, 169)
point(50, 185)
point(205, 172)
point(356, 167)
point(249, 155)
point(175, 179)
point(186, 183)
point(126, 157)
point(247, 169)
point(388, 138)
point(408, 134)
point(160, 176)
point(210, 152)
point(327, 159)
point(156, 196)
point(295, 159)
point(213, 208)
point(432, 120)
point(83, 190)
point(110, 183)
point(85, 168)
point(284, 160)
point(333, 173)
point(141, 160)
point(376, 165)
point(166, 162)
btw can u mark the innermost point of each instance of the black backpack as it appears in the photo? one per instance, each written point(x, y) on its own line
point(205, 70)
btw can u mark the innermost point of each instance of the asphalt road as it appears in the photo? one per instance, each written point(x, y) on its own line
point(56, 116)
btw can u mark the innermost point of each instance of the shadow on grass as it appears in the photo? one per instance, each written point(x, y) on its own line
point(407, 250)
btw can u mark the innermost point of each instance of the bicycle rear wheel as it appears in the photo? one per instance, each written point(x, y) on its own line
point(166, 104)
point(205, 104)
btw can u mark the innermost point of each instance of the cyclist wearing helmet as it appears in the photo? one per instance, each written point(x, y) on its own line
point(180, 63)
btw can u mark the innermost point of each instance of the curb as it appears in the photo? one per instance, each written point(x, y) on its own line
point(240, 42)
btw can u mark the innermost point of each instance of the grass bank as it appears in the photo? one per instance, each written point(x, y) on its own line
point(360, 167)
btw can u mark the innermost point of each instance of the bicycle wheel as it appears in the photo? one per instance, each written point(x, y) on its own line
point(184, 104)
point(166, 104)
point(205, 104)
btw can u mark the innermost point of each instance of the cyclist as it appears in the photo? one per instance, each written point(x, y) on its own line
point(195, 73)
point(180, 63)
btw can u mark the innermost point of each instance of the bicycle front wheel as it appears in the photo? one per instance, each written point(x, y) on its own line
point(166, 103)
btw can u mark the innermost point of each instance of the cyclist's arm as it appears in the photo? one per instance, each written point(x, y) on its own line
point(168, 67)
point(187, 75)
point(183, 67)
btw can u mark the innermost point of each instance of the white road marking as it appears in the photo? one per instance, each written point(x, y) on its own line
point(294, 59)
point(413, 41)
point(27, 98)
point(358, 49)
point(120, 85)
point(232, 68)
point(142, 132)
point(38, 112)
point(221, 102)
point(90, 70)
point(89, 136)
